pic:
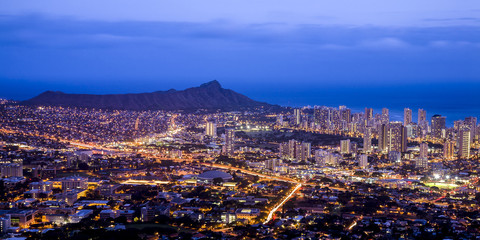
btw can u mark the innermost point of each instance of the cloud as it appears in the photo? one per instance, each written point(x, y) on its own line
point(385, 43)
point(35, 46)
point(453, 44)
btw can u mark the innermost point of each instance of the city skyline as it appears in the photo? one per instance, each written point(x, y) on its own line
point(239, 119)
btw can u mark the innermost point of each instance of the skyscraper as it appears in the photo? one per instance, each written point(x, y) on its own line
point(463, 141)
point(298, 116)
point(303, 151)
point(363, 161)
point(424, 150)
point(438, 126)
point(346, 115)
point(322, 117)
point(211, 129)
point(337, 119)
point(448, 149)
point(385, 116)
point(397, 137)
point(422, 115)
point(382, 137)
point(368, 115)
point(367, 140)
point(294, 149)
point(345, 146)
point(407, 116)
point(229, 141)
point(471, 123)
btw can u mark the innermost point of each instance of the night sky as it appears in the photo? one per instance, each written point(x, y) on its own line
point(285, 52)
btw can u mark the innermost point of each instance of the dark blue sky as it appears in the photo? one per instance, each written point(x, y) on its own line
point(286, 52)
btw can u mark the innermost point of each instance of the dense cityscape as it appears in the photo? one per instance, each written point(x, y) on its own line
point(285, 173)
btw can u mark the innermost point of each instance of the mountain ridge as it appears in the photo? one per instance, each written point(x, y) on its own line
point(208, 95)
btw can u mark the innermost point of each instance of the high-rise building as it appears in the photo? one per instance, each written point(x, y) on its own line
point(211, 129)
point(412, 130)
point(368, 115)
point(272, 163)
point(385, 116)
point(229, 142)
point(471, 123)
point(463, 142)
point(345, 146)
point(337, 119)
point(397, 137)
point(363, 161)
point(294, 149)
point(448, 150)
point(421, 163)
point(297, 112)
point(346, 115)
point(423, 150)
point(407, 116)
point(322, 117)
point(367, 140)
point(422, 115)
point(320, 157)
point(292, 146)
point(305, 151)
point(11, 170)
point(382, 137)
point(438, 126)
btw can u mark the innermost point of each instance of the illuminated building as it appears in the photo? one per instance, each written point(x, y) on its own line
point(382, 137)
point(367, 140)
point(74, 182)
point(385, 116)
point(11, 170)
point(345, 146)
point(4, 223)
point(368, 115)
point(407, 116)
point(448, 150)
point(438, 126)
point(471, 123)
point(346, 115)
point(397, 137)
point(463, 142)
point(294, 149)
point(422, 123)
point(272, 163)
point(211, 129)
point(422, 115)
point(229, 147)
point(247, 213)
point(421, 163)
point(322, 117)
point(298, 116)
point(303, 151)
point(395, 157)
point(423, 150)
point(363, 161)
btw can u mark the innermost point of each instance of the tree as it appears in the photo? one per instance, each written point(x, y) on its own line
point(218, 181)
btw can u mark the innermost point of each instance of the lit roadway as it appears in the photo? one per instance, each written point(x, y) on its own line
point(272, 212)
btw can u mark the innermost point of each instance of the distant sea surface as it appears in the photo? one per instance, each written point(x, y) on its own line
point(453, 100)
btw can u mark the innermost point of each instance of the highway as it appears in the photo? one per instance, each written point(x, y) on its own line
point(278, 206)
